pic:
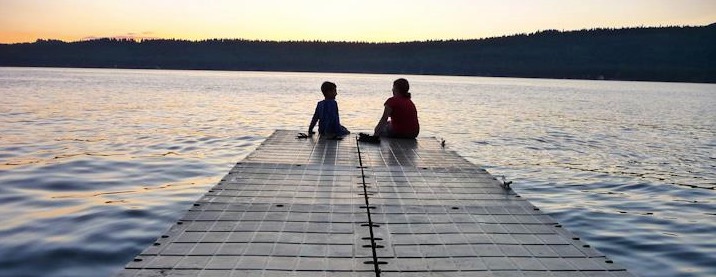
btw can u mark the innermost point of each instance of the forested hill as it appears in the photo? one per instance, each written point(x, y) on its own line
point(684, 54)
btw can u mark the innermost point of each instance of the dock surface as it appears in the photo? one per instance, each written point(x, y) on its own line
point(314, 207)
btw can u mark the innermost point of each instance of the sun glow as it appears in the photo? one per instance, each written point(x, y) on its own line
point(347, 20)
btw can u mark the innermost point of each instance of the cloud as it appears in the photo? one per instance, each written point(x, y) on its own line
point(147, 35)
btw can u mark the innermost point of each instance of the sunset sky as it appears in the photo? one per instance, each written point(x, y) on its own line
point(332, 20)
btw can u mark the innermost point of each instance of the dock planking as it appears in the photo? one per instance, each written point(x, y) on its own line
point(315, 207)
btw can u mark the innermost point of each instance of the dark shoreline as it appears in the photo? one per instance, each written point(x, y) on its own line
point(661, 54)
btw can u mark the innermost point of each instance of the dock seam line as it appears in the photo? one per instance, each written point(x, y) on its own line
point(367, 209)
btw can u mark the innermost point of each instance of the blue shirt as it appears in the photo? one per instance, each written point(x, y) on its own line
point(327, 115)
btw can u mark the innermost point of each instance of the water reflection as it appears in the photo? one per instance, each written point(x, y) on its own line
point(94, 164)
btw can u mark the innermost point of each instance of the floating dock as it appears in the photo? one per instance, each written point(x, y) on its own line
point(314, 207)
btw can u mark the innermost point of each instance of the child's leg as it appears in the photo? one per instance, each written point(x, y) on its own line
point(387, 130)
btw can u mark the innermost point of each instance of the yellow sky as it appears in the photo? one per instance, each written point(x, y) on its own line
point(341, 20)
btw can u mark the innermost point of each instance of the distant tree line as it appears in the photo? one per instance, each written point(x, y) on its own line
point(683, 54)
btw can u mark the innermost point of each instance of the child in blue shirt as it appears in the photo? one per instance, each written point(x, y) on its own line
point(326, 114)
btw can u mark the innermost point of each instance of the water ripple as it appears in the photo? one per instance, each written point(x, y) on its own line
point(95, 164)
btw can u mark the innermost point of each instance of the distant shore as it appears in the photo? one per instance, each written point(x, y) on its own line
point(669, 54)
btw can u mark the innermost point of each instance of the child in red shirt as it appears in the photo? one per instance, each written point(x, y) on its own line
point(400, 117)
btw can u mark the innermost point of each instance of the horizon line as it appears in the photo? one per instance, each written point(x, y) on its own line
point(141, 38)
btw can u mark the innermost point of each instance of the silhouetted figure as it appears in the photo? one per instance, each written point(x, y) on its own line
point(400, 117)
point(326, 114)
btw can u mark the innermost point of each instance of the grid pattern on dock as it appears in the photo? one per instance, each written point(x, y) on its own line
point(296, 207)
point(456, 219)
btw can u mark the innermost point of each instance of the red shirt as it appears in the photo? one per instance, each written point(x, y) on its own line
point(404, 116)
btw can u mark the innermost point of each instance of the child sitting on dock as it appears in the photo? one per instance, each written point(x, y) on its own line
point(400, 117)
point(326, 114)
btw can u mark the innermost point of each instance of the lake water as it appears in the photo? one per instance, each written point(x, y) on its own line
point(97, 163)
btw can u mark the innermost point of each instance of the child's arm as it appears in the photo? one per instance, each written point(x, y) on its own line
point(313, 121)
point(337, 128)
point(383, 121)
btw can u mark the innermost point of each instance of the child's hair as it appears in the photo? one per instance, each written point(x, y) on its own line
point(327, 87)
point(402, 86)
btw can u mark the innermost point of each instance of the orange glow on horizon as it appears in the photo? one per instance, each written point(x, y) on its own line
point(332, 20)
